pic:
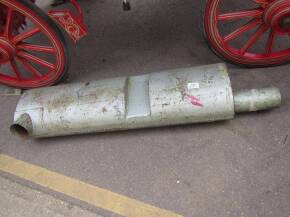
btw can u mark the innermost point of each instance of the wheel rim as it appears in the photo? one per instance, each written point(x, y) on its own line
point(257, 36)
point(32, 56)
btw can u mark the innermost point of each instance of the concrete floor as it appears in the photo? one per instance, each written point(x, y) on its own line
point(234, 168)
point(33, 203)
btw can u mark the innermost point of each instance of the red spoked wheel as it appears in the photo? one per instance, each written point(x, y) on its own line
point(256, 35)
point(33, 51)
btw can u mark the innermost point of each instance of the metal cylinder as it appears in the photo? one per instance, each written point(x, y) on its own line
point(255, 100)
point(181, 96)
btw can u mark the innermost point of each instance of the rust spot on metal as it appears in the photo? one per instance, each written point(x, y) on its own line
point(60, 102)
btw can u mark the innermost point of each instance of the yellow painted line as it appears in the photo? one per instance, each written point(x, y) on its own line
point(91, 194)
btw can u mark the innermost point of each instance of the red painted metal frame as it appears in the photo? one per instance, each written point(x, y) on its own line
point(15, 51)
point(266, 19)
point(72, 23)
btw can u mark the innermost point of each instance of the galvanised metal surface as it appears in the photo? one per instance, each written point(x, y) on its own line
point(255, 100)
point(181, 96)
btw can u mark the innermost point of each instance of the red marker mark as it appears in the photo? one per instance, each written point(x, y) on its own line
point(194, 101)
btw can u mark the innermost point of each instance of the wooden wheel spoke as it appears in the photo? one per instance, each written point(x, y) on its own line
point(270, 42)
point(27, 65)
point(250, 43)
point(9, 23)
point(15, 69)
point(34, 47)
point(252, 24)
point(248, 36)
point(25, 35)
point(35, 59)
point(254, 13)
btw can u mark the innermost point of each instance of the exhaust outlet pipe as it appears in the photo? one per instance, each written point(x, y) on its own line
point(181, 96)
point(22, 126)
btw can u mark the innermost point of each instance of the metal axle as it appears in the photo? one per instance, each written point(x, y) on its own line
point(181, 96)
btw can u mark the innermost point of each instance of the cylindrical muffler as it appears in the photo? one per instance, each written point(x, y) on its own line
point(181, 96)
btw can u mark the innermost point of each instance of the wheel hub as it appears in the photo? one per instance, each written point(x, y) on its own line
point(7, 50)
point(277, 15)
point(285, 23)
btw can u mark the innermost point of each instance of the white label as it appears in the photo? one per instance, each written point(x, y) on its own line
point(192, 86)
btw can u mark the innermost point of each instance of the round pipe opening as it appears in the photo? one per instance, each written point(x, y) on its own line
point(19, 130)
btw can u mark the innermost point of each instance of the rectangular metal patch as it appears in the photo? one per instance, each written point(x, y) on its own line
point(138, 102)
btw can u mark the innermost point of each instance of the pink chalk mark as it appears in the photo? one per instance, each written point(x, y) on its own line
point(194, 101)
